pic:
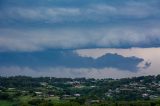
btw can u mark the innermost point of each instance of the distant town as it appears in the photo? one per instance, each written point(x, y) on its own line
point(50, 91)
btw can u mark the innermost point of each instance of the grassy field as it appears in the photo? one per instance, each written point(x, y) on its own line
point(24, 99)
point(5, 103)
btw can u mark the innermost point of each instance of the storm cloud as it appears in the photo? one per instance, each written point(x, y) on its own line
point(28, 25)
point(69, 59)
point(45, 36)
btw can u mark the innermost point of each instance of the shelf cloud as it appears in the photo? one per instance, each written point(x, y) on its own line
point(33, 26)
point(45, 35)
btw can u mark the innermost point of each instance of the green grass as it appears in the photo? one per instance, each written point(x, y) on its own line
point(24, 99)
point(5, 103)
point(55, 98)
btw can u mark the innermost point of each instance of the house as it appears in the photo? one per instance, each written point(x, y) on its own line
point(94, 101)
point(145, 95)
point(108, 94)
point(51, 95)
point(92, 86)
point(65, 96)
point(77, 95)
point(142, 88)
point(43, 83)
point(11, 89)
point(38, 93)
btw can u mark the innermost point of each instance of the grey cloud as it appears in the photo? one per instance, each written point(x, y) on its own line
point(147, 64)
point(68, 59)
point(71, 38)
point(65, 72)
point(93, 11)
point(34, 26)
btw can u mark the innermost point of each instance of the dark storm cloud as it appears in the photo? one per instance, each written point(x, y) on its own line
point(69, 59)
point(28, 25)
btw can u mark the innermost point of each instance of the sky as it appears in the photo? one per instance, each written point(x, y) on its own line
point(79, 38)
